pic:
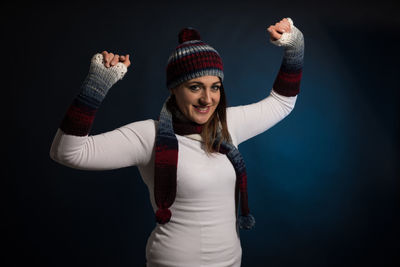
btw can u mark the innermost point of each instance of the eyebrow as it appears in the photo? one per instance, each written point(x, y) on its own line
point(202, 83)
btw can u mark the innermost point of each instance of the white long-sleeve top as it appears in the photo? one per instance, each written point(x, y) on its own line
point(202, 230)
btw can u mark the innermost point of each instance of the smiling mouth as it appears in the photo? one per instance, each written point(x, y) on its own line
point(202, 109)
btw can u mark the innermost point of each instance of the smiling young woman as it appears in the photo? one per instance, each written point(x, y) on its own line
point(188, 159)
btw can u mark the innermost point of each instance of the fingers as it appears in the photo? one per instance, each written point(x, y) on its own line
point(274, 33)
point(107, 58)
point(125, 60)
point(114, 60)
point(110, 59)
point(283, 25)
point(279, 28)
point(104, 53)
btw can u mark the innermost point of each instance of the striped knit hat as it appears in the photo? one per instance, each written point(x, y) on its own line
point(192, 58)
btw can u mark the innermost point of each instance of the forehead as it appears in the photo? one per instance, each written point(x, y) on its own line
point(205, 79)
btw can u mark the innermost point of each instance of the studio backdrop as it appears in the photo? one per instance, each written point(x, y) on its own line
point(323, 183)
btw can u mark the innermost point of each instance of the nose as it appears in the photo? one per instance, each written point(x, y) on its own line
point(206, 97)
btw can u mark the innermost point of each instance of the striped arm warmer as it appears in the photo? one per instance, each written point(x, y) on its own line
point(79, 118)
point(287, 82)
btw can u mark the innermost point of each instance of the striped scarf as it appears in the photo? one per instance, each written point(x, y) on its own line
point(166, 161)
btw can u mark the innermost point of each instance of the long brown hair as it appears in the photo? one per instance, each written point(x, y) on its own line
point(210, 128)
point(209, 133)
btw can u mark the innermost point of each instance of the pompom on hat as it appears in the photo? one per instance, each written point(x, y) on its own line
point(192, 58)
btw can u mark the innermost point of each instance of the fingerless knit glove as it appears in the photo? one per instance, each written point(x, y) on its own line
point(287, 82)
point(79, 118)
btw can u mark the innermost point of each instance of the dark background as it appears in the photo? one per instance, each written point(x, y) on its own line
point(323, 183)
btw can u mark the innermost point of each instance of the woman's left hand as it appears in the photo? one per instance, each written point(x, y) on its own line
point(278, 29)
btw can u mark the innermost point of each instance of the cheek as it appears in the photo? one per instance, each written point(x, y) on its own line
point(218, 98)
point(183, 101)
point(186, 101)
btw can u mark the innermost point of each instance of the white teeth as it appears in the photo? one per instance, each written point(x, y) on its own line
point(202, 109)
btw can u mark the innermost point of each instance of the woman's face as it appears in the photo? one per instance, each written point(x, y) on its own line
point(198, 98)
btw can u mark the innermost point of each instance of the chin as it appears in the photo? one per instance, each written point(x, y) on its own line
point(200, 120)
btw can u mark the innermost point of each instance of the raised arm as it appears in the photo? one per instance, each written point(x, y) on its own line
point(129, 145)
point(247, 121)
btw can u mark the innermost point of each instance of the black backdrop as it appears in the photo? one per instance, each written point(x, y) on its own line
point(325, 181)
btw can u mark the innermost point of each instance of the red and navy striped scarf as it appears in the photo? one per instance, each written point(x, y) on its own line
point(166, 161)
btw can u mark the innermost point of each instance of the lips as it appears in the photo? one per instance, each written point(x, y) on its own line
point(202, 110)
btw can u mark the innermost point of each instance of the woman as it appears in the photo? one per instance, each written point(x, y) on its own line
point(188, 158)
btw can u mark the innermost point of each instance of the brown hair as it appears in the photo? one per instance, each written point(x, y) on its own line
point(209, 132)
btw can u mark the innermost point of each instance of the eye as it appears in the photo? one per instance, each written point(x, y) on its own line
point(194, 87)
point(216, 87)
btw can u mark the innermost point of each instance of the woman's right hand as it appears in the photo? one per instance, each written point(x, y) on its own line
point(110, 59)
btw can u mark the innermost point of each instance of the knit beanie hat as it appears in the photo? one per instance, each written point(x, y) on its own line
point(192, 58)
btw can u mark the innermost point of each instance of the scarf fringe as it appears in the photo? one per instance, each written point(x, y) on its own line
point(246, 222)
